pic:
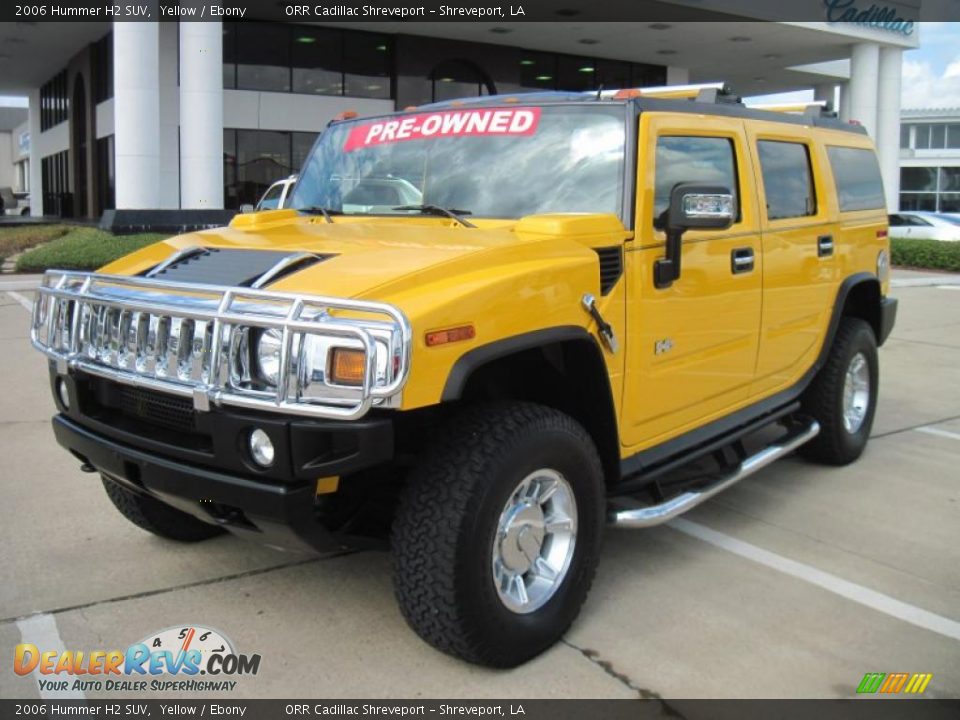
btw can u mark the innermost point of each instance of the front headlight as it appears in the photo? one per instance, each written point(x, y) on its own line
point(268, 356)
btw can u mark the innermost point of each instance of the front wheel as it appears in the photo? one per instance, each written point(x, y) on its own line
point(843, 396)
point(498, 533)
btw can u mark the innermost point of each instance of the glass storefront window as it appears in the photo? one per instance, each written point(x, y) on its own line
point(263, 56)
point(918, 178)
point(953, 136)
point(950, 202)
point(317, 61)
point(538, 71)
point(366, 65)
point(950, 179)
point(918, 201)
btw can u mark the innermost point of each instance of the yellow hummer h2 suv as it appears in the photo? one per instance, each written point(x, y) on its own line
point(482, 330)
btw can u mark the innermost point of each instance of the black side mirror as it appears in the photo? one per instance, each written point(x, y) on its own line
point(692, 206)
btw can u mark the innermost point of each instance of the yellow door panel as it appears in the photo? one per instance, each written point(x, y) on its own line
point(800, 263)
point(692, 347)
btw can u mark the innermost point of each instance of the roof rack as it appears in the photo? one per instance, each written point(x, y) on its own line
point(709, 92)
point(812, 108)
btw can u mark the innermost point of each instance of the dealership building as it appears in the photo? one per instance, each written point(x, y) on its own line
point(184, 115)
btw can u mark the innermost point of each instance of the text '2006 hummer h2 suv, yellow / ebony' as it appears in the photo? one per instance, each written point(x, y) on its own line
point(484, 329)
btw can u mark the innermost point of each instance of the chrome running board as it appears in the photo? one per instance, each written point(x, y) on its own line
point(651, 515)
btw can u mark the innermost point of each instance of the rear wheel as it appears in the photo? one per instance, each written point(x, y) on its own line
point(153, 516)
point(498, 532)
point(843, 396)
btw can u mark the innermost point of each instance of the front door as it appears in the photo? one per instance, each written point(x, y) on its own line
point(692, 347)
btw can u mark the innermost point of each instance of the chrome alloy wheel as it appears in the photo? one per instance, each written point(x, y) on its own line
point(534, 543)
point(856, 393)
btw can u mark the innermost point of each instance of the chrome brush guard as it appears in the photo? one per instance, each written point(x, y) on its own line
point(198, 341)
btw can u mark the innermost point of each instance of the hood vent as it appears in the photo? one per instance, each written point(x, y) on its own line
point(229, 267)
point(611, 267)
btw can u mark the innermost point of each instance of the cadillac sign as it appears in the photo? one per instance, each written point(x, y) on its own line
point(880, 17)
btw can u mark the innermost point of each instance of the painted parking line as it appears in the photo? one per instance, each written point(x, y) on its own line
point(21, 299)
point(938, 432)
point(832, 583)
point(41, 630)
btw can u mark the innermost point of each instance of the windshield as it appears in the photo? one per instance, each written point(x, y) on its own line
point(488, 162)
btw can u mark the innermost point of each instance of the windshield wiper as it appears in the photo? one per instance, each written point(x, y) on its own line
point(317, 210)
point(451, 213)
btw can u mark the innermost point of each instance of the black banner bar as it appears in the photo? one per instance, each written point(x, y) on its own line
point(880, 14)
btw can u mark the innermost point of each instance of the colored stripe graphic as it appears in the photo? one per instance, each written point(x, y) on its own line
point(894, 683)
point(918, 683)
point(871, 682)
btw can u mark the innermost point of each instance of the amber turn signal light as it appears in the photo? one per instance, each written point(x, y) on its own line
point(347, 367)
point(441, 337)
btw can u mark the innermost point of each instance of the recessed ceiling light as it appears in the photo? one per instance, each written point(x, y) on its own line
point(588, 41)
point(528, 62)
point(500, 30)
point(373, 87)
point(566, 12)
point(740, 38)
point(666, 52)
point(382, 48)
point(544, 78)
point(585, 69)
point(659, 26)
point(306, 39)
point(446, 79)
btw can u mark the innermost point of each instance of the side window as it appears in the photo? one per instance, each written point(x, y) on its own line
point(857, 175)
point(896, 221)
point(707, 160)
point(787, 179)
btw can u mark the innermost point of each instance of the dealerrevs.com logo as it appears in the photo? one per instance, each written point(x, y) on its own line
point(181, 652)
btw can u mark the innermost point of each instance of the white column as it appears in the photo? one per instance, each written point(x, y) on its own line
point(136, 102)
point(678, 75)
point(201, 115)
point(844, 108)
point(864, 70)
point(888, 123)
point(827, 92)
point(36, 162)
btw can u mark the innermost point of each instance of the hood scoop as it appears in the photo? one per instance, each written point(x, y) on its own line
point(229, 267)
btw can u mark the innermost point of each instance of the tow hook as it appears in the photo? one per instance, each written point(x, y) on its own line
point(603, 327)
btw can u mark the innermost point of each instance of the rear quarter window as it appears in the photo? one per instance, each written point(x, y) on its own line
point(856, 173)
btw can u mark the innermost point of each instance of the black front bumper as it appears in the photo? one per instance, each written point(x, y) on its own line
point(281, 515)
point(198, 462)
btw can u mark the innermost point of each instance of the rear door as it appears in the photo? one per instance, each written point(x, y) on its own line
point(692, 347)
point(799, 224)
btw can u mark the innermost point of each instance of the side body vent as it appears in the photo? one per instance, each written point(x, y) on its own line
point(231, 268)
point(611, 267)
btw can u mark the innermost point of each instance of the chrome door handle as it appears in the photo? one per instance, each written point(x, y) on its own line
point(825, 246)
point(741, 260)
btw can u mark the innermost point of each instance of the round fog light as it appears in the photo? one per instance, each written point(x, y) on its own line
point(63, 392)
point(261, 449)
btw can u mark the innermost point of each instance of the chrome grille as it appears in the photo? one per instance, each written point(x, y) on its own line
point(193, 340)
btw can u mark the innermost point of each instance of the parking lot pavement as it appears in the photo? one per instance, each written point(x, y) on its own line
point(792, 584)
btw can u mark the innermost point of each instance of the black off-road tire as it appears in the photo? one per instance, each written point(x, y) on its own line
point(153, 516)
point(447, 520)
point(823, 400)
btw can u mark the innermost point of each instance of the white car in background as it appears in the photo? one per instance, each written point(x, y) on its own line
point(276, 195)
point(921, 225)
